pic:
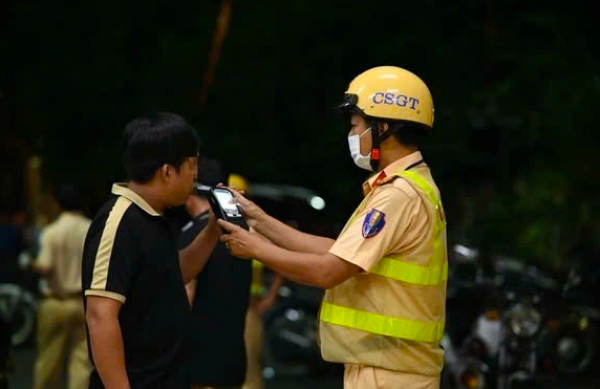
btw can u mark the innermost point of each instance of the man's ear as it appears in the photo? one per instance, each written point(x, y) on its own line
point(382, 128)
point(165, 172)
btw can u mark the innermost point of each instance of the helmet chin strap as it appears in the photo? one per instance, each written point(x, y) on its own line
point(376, 139)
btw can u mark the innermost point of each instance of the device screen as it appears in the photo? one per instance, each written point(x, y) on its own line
point(225, 199)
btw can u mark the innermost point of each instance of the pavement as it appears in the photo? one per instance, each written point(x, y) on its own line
point(25, 360)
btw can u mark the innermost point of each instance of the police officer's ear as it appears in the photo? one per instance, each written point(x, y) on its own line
point(382, 128)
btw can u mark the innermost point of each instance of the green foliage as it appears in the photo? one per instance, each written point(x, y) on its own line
point(514, 151)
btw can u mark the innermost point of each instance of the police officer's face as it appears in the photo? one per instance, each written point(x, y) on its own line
point(181, 184)
point(359, 126)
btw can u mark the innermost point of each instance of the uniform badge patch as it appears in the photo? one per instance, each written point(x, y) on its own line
point(373, 224)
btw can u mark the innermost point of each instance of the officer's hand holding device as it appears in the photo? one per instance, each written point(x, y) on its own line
point(222, 203)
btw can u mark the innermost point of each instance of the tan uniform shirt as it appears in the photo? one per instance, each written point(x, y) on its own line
point(407, 231)
point(61, 250)
point(406, 219)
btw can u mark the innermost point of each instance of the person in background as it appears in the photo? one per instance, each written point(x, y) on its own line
point(219, 296)
point(61, 322)
point(262, 299)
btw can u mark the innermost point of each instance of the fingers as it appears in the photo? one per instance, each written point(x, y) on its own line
point(229, 227)
point(239, 198)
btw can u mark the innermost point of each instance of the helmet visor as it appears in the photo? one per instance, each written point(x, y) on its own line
point(349, 103)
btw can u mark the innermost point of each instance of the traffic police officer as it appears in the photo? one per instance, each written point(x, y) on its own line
point(384, 309)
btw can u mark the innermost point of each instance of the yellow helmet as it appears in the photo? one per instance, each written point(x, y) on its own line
point(238, 182)
point(393, 93)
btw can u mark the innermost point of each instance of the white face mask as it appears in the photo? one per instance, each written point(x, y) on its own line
point(362, 161)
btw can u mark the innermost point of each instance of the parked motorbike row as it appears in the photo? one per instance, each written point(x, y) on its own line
point(507, 324)
point(510, 324)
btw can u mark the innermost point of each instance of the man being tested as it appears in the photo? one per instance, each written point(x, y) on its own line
point(133, 275)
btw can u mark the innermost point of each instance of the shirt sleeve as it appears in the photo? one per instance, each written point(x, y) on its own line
point(378, 228)
point(46, 254)
point(190, 231)
point(109, 260)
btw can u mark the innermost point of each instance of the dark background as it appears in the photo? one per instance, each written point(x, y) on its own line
point(515, 86)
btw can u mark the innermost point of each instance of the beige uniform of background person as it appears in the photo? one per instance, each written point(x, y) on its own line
point(383, 313)
point(262, 299)
point(61, 321)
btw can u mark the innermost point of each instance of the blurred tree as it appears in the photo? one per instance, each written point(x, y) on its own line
point(514, 85)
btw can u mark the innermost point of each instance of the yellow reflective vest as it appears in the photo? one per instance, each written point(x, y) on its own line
point(358, 325)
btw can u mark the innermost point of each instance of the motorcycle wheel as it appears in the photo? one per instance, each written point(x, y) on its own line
point(290, 348)
point(571, 350)
point(3, 381)
point(574, 354)
point(20, 312)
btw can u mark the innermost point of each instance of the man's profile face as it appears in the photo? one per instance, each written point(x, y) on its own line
point(181, 184)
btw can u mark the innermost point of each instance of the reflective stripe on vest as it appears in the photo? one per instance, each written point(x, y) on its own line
point(394, 267)
point(382, 325)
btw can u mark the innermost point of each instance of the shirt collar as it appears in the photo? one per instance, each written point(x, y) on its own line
point(69, 215)
point(393, 168)
point(121, 189)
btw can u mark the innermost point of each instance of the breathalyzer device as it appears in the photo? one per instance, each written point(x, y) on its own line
point(222, 203)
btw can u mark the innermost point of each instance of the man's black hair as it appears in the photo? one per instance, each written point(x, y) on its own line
point(156, 139)
point(68, 197)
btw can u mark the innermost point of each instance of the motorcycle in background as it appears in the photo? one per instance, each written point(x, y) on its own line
point(569, 340)
point(466, 365)
point(291, 335)
point(5, 347)
point(19, 303)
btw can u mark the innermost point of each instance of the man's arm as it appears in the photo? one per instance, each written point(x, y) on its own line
point(291, 239)
point(190, 290)
point(102, 317)
point(267, 302)
point(192, 259)
point(321, 270)
point(44, 260)
point(280, 233)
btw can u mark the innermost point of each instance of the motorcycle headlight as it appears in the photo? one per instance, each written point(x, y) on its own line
point(525, 320)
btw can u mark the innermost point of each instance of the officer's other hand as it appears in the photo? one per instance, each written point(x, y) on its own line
point(239, 242)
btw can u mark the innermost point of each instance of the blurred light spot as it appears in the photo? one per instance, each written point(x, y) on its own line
point(317, 203)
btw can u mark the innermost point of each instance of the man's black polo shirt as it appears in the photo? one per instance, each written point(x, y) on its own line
point(131, 255)
point(217, 350)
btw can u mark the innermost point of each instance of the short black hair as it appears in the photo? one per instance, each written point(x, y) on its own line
point(68, 197)
point(156, 139)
